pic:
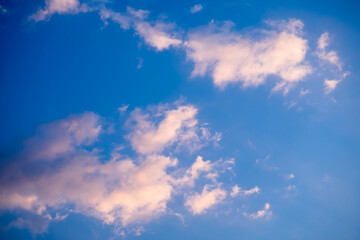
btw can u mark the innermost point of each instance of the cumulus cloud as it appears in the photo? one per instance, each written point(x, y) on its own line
point(59, 7)
point(323, 54)
point(200, 202)
point(264, 213)
point(229, 56)
point(236, 190)
point(196, 8)
point(61, 170)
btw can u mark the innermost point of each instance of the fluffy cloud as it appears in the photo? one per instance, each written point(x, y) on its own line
point(200, 202)
point(59, 7)
point(233, 57)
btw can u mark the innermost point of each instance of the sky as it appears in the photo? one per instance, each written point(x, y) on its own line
point(179, 119)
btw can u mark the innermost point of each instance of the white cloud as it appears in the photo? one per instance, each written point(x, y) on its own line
point(264, 213)
point(330, 85)
point(327, 56)
point(236, 190)
point(290, 176)
point(196, 8)
point(59, 7)
point(233, 57)
point(199, 203)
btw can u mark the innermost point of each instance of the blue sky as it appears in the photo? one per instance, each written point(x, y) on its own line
point(179, 120)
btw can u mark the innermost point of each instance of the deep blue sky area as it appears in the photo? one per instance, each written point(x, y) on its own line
point(74, 68)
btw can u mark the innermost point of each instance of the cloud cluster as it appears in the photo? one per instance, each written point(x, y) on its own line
point(61, 170)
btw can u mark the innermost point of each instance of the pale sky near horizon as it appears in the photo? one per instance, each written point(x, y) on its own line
point(179, 120)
